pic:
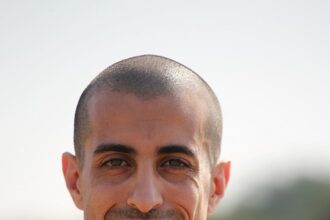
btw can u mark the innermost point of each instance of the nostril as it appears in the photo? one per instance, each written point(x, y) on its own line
point(145, 198)
point(144, 205)
point(146, 190)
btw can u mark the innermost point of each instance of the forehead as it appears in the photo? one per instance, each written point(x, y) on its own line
point(119, 117)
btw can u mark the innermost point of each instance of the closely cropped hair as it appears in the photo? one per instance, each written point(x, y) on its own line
point(148, 77)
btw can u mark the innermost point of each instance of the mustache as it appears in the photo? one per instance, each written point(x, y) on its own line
point(131, 213)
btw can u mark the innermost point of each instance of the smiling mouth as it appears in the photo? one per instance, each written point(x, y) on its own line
point(154, 214)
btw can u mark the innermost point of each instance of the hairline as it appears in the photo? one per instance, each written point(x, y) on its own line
point(205, 123)
point(214, 114)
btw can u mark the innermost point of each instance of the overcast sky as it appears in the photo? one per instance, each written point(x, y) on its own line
point(268, 62)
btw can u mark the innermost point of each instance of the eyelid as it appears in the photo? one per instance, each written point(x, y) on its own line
point(115, 160)
point(106, 160)
point(186, 163)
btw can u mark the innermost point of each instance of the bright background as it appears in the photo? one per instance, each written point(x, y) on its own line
point(268, 62)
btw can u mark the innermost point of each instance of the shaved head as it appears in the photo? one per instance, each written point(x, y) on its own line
point(148, 77)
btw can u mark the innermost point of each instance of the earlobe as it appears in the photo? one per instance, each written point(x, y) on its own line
point(70, 168)
point(220, 179)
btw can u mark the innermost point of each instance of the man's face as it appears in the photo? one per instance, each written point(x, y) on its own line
point(144, 159)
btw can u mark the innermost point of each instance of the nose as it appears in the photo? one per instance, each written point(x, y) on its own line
point(146, 194)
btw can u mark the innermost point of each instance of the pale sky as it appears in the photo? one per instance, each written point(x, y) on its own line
point(268, 62)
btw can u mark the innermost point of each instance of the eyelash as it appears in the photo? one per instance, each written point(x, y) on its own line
point(180, 164)
point(107, 162)
point(167, 163)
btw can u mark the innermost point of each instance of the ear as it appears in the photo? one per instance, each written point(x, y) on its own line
point(71, 172)
point(220, 179)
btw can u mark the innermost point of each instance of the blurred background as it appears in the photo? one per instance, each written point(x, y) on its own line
point(268, 62)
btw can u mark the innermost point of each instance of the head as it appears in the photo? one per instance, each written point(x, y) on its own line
point(147, 137)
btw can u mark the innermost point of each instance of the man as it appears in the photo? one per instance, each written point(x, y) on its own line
point(147, 143)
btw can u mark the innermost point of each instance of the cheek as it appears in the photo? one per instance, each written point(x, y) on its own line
point(188, 195)
point(100, 195)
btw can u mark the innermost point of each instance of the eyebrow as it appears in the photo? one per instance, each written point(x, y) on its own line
point(114, 147)
point(170, 149)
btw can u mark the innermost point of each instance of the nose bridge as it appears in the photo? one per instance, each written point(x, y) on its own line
point(146, 192)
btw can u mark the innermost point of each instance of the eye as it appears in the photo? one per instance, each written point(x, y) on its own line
point(175, 163)
point(115, 163)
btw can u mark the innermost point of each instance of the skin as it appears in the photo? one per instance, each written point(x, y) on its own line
point(145, 159)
